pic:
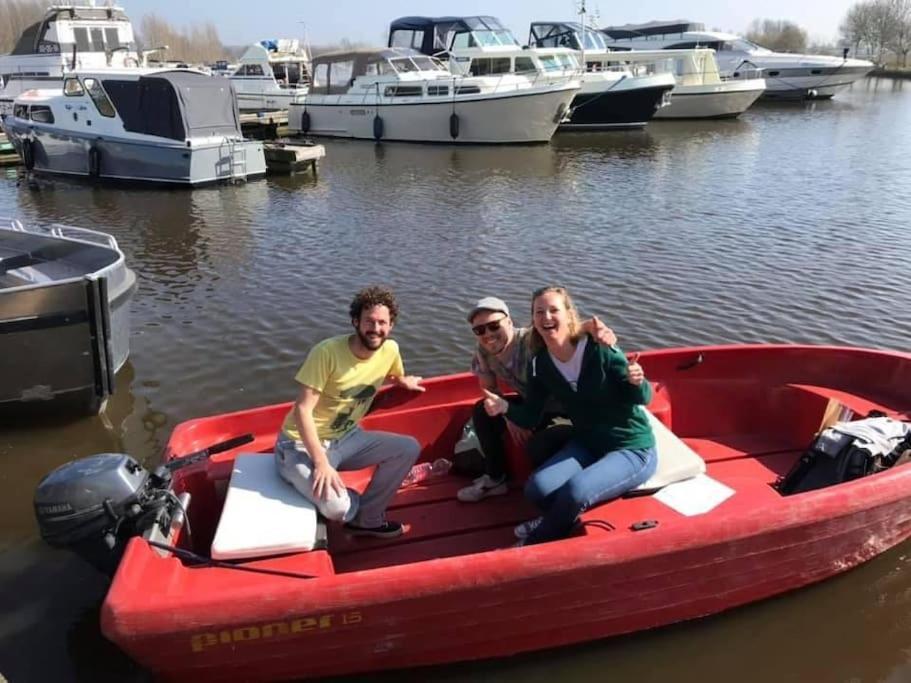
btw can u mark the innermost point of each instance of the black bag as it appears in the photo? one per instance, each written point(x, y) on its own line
point(835, 457)
point(468, 459)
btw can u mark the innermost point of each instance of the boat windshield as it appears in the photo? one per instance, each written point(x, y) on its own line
point(551, 63)
point(744, 45)
point(594, 40)
point(416, 63)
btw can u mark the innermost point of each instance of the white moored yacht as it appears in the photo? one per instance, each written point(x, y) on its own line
point(68, 37)
point(608, 98)
point(701, 92)
point(271, 75)
point(787, 76)
point(401, 94)
point(156, 125)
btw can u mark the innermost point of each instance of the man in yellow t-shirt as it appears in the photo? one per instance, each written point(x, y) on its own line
point(320, 434)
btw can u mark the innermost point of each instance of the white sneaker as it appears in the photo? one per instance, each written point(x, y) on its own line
point(482, 487)
point(524, 530)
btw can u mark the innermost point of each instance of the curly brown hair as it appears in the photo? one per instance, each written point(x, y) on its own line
point(374, 296)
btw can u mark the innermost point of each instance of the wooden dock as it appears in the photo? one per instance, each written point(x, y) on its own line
point(264, 125)
point(284, 156)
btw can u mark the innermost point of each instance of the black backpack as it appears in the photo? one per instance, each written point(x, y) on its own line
point(822, 466)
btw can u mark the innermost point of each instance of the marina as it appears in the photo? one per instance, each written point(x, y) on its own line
point(180, 237)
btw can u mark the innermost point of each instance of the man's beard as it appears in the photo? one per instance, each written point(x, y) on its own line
point(372, 343)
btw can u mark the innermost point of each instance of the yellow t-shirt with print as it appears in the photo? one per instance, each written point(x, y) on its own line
point(347, 384)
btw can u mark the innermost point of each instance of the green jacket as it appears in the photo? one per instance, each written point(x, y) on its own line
point(604, 409)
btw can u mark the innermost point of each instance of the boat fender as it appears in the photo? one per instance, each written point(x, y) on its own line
point(377, 127)
point(561, 112)
point(28, 154)
point(454, 125)
point(94, 162)
point(305, 122)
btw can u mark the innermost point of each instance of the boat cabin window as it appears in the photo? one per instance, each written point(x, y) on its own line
point(97, 36)
point(20, 111)
point(525, 65)
point(111, 39)
point(99, 97)
point(42, 114)
point(251, 70)
point(486, 66)
point(342, 74)
point(437, 90)
point(467, 90)
point(72, 87)
point(550, 63)
point(402, 38)
point(403, 91)
point(321, 76)
point(81, 35)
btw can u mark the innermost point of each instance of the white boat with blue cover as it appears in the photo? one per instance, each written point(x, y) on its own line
point(157, 125)
point(401, 94)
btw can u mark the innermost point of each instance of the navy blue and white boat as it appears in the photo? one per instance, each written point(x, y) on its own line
point(159, 125)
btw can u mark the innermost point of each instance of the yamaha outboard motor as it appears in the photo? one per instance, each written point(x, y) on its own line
point(93, 506)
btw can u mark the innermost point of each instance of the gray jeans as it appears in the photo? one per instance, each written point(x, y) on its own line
point(393, 454)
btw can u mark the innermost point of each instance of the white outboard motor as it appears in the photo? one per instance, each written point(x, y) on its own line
point(94, 505)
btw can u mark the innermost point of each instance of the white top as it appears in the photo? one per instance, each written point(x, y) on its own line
point(571, 368)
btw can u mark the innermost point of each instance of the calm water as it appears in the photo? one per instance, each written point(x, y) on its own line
point(788, 225)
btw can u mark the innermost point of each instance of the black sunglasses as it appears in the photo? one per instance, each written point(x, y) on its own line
point(492, 326)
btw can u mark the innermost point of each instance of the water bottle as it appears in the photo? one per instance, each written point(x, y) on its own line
point(427, 470)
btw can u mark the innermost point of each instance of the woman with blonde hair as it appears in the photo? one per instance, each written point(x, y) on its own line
point(613, 447)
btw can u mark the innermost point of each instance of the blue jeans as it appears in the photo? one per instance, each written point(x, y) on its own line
point(575, 479)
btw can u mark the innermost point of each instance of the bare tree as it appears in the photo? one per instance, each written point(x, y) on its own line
point(857, 26)
point(900, 40)
point(196, 44)
point(778, 34)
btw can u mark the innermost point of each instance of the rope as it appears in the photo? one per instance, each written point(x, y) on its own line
point(201, 561)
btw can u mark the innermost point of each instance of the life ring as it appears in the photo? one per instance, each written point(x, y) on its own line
point(94, 162)
point(454, 125)
point(377, 127)
point(28, 154)
point(305, 122)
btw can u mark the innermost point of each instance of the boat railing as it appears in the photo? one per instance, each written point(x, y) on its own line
point(70, 232)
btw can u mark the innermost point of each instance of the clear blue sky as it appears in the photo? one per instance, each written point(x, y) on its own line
point(327, 21)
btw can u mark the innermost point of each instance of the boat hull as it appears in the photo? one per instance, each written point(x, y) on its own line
point(514, 118)
point(61, 152)
point(62, 334)
point(616, 107)
point(446, 591)
point(726, 100)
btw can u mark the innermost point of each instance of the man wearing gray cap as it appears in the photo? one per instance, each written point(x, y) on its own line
point(503, 354)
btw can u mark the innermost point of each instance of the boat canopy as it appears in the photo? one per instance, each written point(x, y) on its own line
point(432, 35)
point(334, 72)
point(34, 39)
point(652, 28)
point(175, 104)
point(565, 34)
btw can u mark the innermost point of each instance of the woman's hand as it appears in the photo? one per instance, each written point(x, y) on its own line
point(411, 382)
point(600, 332)
point(325, 477)
point(635, 375)
point(494, 404)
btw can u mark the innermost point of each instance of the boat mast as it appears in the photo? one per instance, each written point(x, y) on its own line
point(582, 14)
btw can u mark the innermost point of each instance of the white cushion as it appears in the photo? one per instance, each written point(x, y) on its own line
point(263, 515)
point(676, 460)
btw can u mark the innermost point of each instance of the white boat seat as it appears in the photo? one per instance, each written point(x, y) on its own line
point(264, 515)
point(676, 460)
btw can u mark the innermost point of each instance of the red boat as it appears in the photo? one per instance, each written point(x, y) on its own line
point(453, 589)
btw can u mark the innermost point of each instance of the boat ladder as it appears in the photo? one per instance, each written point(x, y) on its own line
point(238, 160)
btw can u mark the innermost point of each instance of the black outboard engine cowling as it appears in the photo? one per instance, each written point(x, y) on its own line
point(93, 505)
